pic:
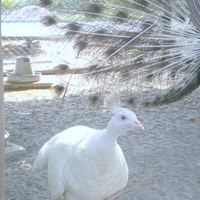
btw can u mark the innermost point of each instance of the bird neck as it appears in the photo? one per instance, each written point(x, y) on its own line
point(113, 131)
point(106, 140)
point(101, 144)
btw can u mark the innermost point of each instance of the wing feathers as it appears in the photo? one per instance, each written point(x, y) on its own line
point(41, 161)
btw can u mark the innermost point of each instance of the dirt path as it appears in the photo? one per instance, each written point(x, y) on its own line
point(169, 147)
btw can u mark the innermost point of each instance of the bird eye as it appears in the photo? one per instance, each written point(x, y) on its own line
point(123, 117)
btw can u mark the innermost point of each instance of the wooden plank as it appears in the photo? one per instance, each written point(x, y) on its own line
point(45, 83)
point(69, 71)
point(52, 71)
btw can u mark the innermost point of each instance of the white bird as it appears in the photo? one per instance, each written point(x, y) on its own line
point(85, 163)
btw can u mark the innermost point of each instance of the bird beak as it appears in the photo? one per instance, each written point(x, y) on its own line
point(137, 124)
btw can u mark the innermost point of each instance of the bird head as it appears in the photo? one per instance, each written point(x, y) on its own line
point(126, 120)
point(123, 120)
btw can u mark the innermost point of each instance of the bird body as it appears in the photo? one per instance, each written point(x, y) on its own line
point(85, 163)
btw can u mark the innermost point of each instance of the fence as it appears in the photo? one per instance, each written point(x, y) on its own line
point(24, 34)
point(152, 44)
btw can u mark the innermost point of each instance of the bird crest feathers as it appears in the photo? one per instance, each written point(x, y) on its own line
point(112, 102)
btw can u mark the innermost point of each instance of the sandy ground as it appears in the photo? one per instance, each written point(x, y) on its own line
point(169, 147)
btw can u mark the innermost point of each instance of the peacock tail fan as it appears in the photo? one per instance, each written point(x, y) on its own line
point(149, 48)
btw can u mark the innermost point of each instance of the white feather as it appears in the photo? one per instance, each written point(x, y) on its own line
point(85, 163)
point(112, 102)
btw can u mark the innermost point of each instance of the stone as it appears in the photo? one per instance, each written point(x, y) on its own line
point(13, 150)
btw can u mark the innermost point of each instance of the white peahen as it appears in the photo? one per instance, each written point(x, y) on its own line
point(85, 163)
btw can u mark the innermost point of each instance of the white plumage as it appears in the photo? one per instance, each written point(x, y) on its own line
point(87, 164)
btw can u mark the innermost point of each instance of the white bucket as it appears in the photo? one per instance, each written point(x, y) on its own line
point(23, 72)
point(6, 135)
point(23, 66)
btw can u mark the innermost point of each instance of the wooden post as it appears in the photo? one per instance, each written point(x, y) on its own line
point(2, 123)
